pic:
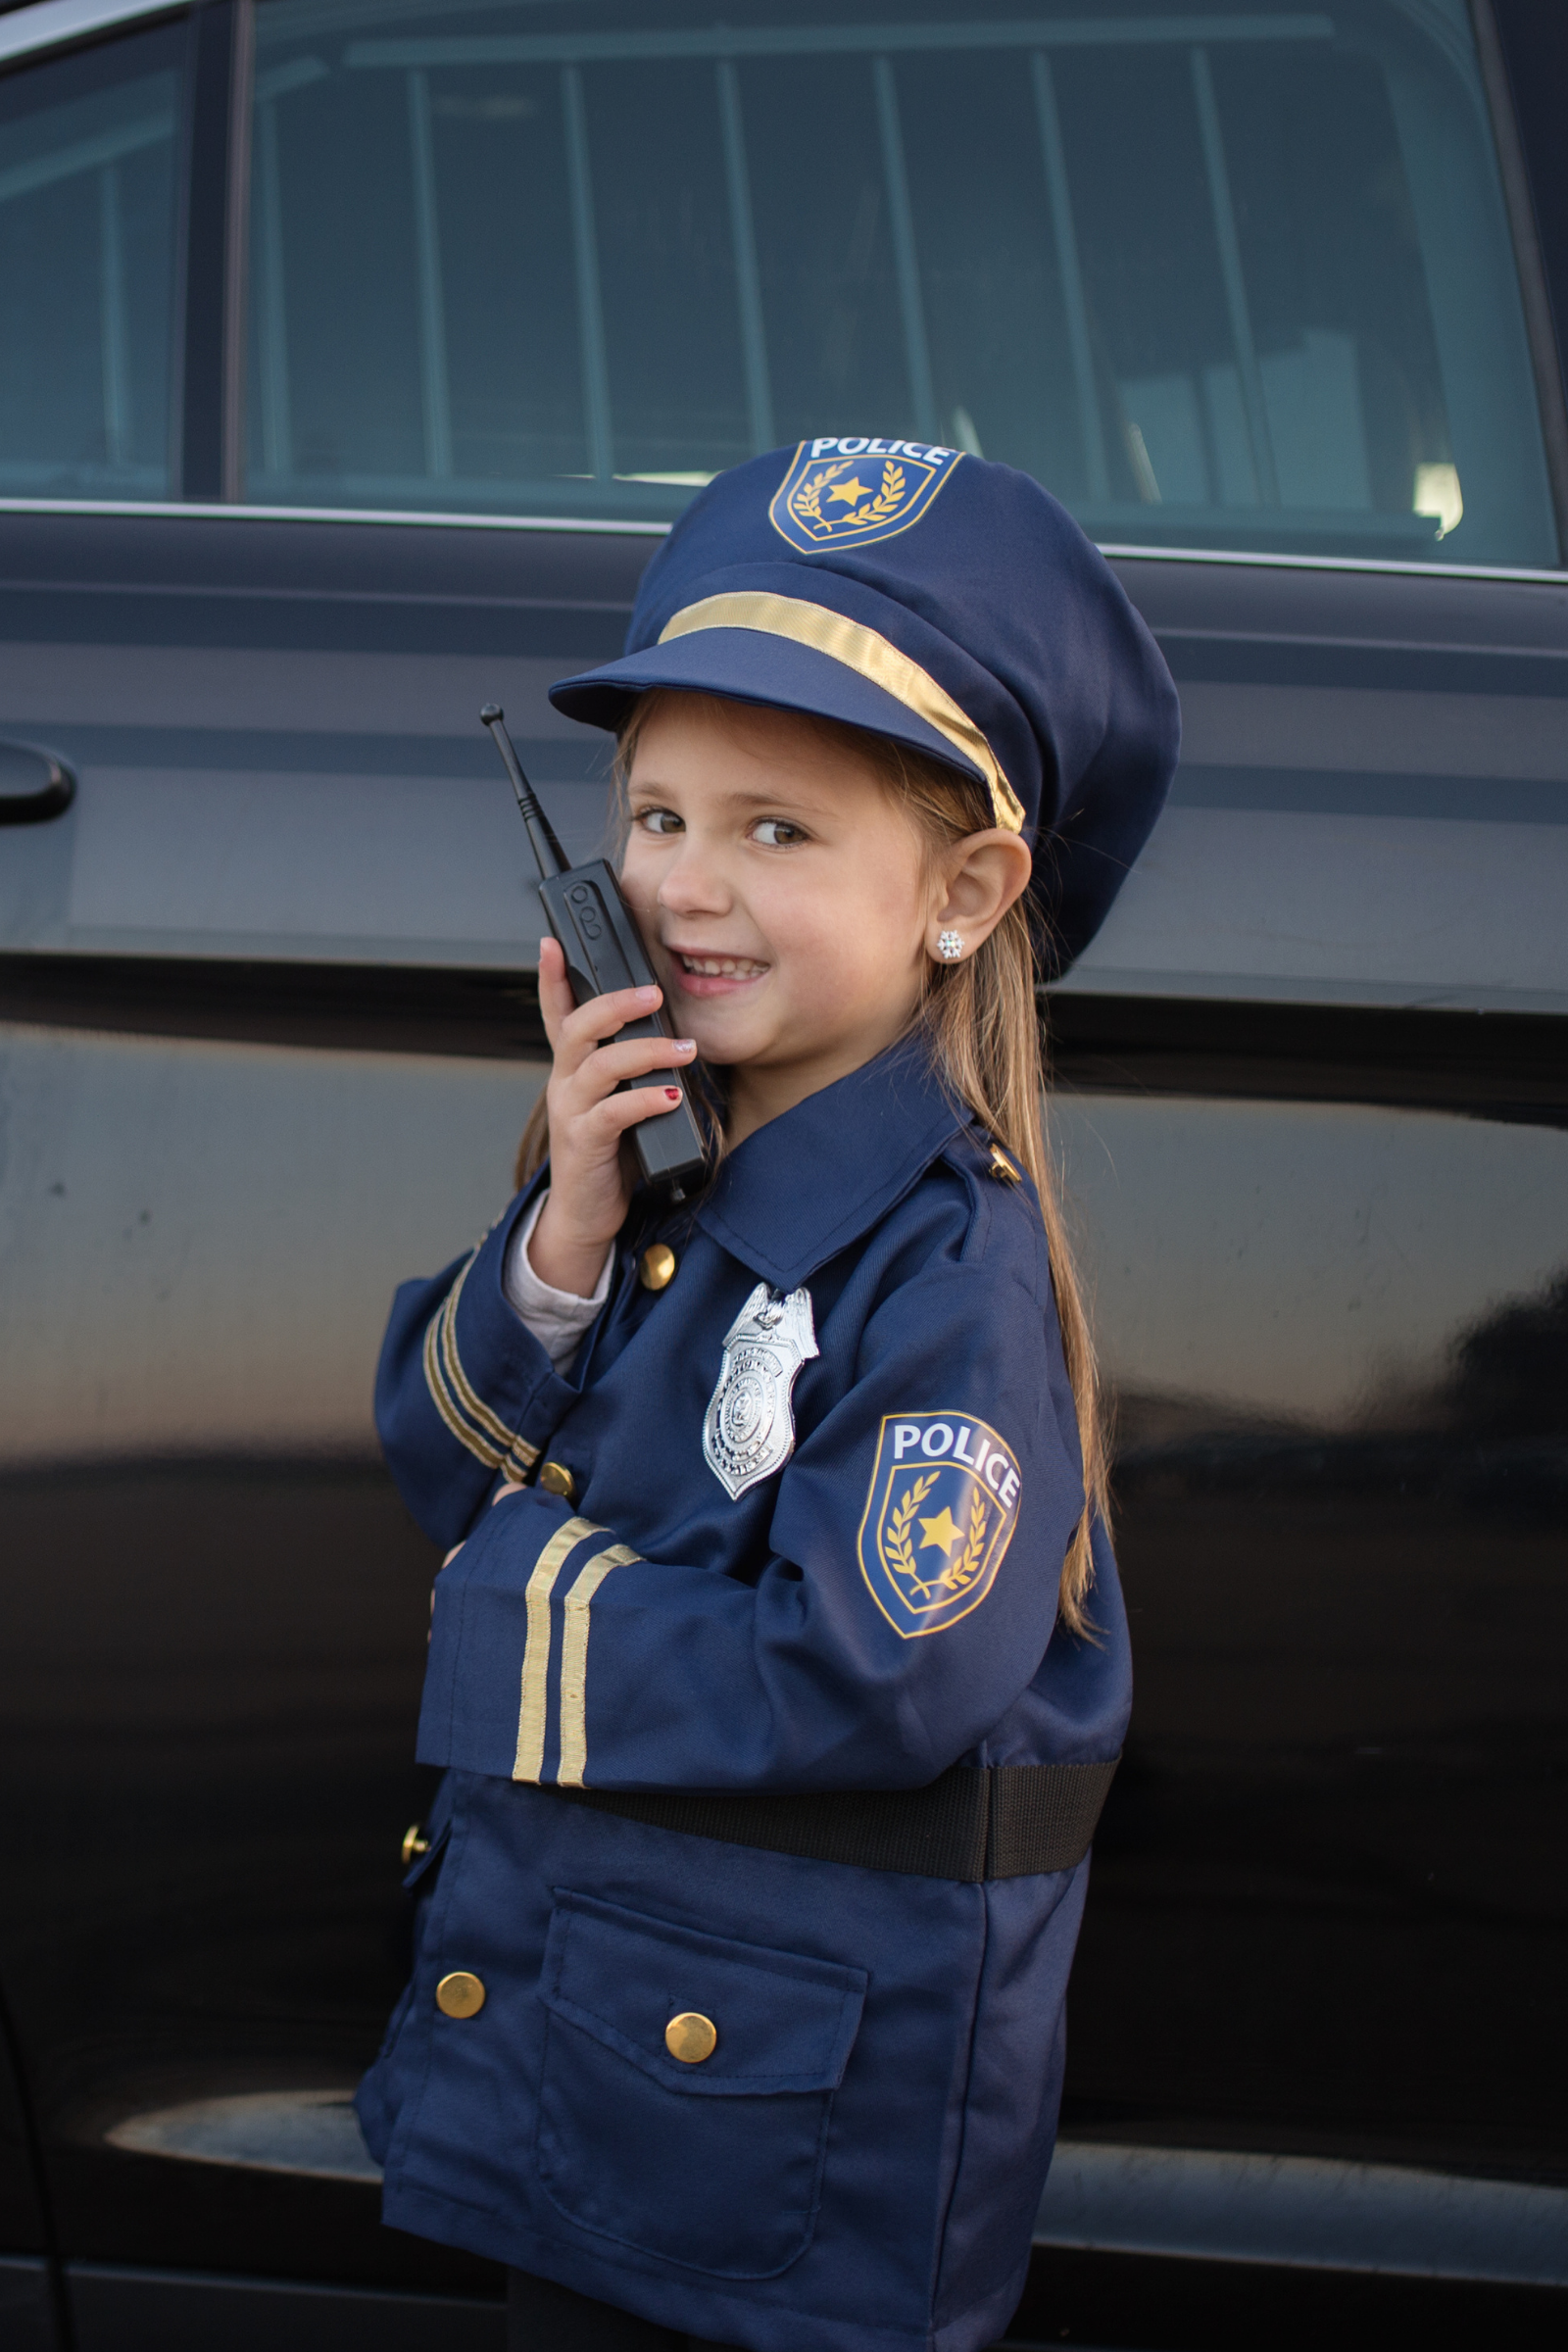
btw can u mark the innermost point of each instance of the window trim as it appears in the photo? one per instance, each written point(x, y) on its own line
point(223, 511)
point(612, 527)
point(50, 24)
point(207, 458)
point(1535, 298)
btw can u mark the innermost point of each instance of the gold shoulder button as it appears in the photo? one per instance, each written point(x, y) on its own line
point(1001, 1168)
point(557, 1479)
point(691, 2038)
point(415, 1843)
point(461, 1994)
point(656, 1270)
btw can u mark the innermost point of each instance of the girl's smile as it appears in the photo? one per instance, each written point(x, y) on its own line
point(710, 975)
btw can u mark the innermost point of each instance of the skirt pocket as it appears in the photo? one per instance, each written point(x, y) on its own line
point(686, 2086)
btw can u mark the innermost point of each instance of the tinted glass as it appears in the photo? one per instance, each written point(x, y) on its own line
point(1235, 279)
point(87, 179)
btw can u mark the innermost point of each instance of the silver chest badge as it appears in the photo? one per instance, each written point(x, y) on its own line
point(749, 1430)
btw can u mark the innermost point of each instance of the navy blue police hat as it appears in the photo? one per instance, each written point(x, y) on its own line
point(941, 600)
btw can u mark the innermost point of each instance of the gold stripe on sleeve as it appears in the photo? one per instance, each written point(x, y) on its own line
point(520, 1459)
point(532, 1713)
point(466, 1397)
point(871, 657)
point(465, 1414)
point(441, 1398)
point(574, 1662)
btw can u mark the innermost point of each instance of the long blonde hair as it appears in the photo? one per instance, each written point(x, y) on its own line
point(982, 1019)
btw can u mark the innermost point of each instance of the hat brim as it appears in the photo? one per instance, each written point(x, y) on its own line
point(750, 665)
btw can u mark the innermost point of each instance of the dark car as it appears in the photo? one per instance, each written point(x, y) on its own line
point(353, 357)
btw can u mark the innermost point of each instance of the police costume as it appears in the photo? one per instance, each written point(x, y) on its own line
point(752, 1888)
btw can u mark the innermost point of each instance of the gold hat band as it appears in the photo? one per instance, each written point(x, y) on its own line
point(871, 658)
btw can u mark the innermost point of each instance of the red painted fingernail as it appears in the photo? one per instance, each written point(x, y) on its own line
point(673, 1094)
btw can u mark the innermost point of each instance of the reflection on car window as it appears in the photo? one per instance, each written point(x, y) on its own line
point(87, 179)
point(1238, 277)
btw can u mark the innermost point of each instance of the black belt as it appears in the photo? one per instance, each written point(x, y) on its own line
point(1004, 1821)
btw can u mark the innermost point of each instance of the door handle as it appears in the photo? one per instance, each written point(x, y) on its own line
point(35, 785)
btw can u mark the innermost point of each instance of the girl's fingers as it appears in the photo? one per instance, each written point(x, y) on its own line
point(604, 1068)
point(621, 1111)
point(588, 1026)
point(554, 993)
point(581, 1026)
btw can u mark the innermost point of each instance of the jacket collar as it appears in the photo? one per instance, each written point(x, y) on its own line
point(815, 1179)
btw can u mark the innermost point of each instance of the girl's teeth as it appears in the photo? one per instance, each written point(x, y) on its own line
point(722, 967)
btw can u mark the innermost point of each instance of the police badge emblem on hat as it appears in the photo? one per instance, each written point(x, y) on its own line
point(749, 1430)
point(850, 490)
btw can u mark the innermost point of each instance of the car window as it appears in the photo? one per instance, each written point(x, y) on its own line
point(1239, 277)
point(87, 211)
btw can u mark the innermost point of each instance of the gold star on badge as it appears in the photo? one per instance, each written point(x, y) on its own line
point(938, 1532)
point(848, 491)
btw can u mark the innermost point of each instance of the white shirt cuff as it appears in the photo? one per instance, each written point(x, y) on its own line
point(557, 1319)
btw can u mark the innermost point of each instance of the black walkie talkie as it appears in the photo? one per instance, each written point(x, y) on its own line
point(604, 951)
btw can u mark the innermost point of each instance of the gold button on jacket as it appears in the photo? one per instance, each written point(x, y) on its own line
point(557, 1479)
point(657, 1267)
point(691, 2038)
point(459, 1994)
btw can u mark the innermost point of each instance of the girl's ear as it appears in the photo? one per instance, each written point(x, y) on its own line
point(980, 879)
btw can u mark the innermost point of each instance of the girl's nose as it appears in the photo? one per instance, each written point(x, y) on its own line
point(693, 883)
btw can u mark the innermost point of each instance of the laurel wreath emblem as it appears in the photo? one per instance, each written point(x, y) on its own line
point(899, 1547)
point(884, 506)
point(805, 499)
point(895, 1532)
point(961, 1573)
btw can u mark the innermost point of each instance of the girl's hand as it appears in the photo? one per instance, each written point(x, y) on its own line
point(588, 1190)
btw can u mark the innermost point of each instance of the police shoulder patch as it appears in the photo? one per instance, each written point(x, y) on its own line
point(939, 1515)
point(853, 490)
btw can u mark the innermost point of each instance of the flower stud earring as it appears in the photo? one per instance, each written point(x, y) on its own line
point(950, 947)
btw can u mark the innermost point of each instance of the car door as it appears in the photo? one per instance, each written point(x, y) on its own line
point(359, 357)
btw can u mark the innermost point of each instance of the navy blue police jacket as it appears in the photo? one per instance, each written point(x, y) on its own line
point(859, 2162)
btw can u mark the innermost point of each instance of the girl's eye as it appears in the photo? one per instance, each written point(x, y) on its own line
point(777, 833)
point(658, 821)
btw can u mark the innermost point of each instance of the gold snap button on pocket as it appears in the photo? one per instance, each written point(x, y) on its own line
point(691, 2038)
point(557, 1479)
point(459, 1994)
point(657, 1270)
point(415, 1843)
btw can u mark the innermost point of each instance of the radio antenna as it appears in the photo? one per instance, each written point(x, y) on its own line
point(549, 856)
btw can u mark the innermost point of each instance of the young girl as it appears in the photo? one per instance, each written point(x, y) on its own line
point(780, 1686)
